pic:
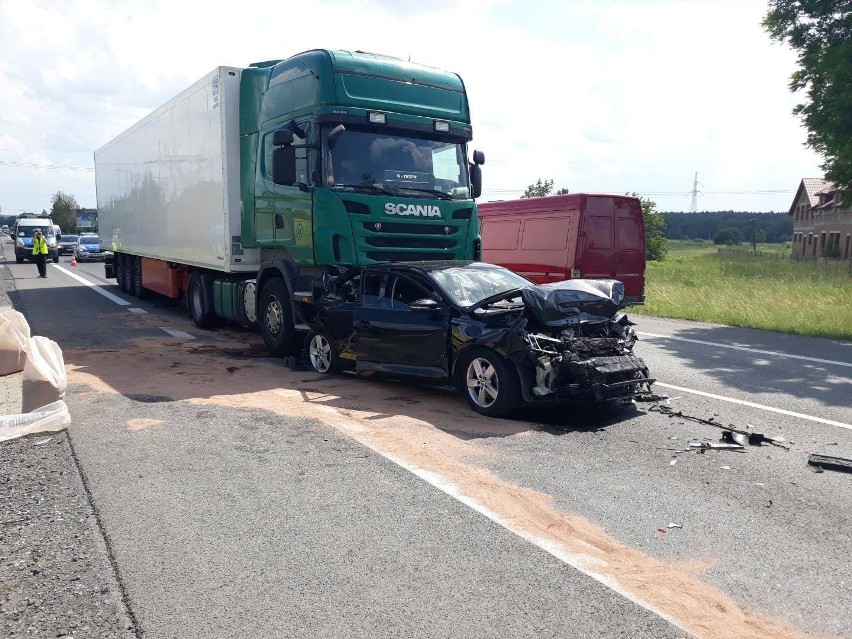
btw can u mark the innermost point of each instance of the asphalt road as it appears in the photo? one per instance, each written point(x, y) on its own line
point(240, 498)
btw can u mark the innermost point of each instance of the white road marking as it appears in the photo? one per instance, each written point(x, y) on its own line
point(93, 286)
point(176, 333)
point(742, 402)
point(582, 563)
point(746, 349)
point(138, 311)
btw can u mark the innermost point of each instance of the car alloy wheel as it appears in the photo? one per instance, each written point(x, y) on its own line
point(483, 383)
point(320, 353)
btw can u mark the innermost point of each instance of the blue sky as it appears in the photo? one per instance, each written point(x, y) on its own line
point(632, 96)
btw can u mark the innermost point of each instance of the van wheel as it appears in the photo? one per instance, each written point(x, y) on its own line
point(136, 287)
point(322, 354)
point(489, 383)
point(199, 300)
point(275, 319)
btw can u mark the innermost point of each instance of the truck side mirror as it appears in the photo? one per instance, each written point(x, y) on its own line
point(284, 164)
point(475, 180)
point(478, 157)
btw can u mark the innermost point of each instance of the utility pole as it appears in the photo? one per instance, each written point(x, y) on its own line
point(694, 207)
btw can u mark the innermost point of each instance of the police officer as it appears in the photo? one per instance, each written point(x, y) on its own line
point(40, 252)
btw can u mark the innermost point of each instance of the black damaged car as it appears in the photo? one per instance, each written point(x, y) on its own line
point(499, 338)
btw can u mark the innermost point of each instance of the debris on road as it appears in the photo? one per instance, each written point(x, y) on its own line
point(674, 525)
point(825, 462)
point(702, 446)
point(754, 439)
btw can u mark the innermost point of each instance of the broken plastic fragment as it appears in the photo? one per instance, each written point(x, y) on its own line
point(674, 525)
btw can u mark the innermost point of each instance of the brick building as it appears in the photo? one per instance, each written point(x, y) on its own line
point(822, 220)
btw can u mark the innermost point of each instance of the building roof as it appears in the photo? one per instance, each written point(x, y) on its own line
point(811, 187)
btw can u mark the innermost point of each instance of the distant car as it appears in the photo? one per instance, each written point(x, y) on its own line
point(89, 248)
point(67, 244)
point(5, 229)
point(499, 338)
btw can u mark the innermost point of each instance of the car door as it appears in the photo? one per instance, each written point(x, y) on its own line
point(391, 337)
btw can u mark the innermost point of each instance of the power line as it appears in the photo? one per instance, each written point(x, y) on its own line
point(49, 166)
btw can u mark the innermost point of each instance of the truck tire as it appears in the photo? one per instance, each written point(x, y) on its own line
point(275, 319)
point(200, 300)
point(136, 287)
point(488, 382)
point(123, 272)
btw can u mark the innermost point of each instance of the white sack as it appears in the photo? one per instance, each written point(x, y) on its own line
point(44, 378)
point(14, 333)
point(52, 417)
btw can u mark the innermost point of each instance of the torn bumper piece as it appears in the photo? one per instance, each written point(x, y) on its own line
point(602, 378)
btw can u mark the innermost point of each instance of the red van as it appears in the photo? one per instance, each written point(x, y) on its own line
point(560, 237)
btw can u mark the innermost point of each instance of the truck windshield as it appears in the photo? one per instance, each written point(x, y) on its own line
point(396, 164)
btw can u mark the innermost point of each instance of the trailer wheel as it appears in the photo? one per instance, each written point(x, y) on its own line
point(136, 287)
point(276, 319)
point(123, 272)
point(199, 300)
point(488, 382)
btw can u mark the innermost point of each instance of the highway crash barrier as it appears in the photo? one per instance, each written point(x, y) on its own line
point(52, 417)
point(14, 335)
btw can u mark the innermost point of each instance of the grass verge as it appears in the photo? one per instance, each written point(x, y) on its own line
point(696, 282)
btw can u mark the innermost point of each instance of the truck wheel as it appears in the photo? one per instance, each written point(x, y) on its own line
point(123, 272)
point(488, 382)
point(199, 301)
point(276, 319)
point(322, 354)
point(136, 287)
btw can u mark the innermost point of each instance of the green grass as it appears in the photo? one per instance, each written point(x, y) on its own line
point(696, 282)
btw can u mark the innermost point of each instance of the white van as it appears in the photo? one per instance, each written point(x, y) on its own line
point(23, 235)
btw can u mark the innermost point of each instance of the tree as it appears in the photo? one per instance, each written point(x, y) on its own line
point(727, 236)
point(821, 32)
point(64, 211)
point(539, 189)
point(656, 246)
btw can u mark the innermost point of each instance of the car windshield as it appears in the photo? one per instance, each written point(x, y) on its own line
point(90, 239)
point(70, 239)
point(29, 231)
point(469, 285)
point(406, 165)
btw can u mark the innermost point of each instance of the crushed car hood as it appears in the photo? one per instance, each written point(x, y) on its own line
point(574, 301)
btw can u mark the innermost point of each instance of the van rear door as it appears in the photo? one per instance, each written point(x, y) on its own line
point(614, 243)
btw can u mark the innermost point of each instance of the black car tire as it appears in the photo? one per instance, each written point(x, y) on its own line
point(136, 287)
point(200, 300)
point(275, 319)
point(122, 273)
point(488, 382)
point(322, 354)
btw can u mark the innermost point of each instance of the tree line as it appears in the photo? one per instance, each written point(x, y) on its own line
point(767, 227)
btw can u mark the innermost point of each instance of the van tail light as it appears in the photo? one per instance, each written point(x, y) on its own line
point(477, 250)
point(575, 273)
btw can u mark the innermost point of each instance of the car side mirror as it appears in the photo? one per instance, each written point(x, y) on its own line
point(58, 237)
point(425, 305)
point(12, 235)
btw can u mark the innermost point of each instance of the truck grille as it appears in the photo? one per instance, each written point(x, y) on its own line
point(410, 242)
point(408, 256)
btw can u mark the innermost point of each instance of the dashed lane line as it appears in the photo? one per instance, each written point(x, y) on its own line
point(176, 333)
point(92, 285)
point(746, 349)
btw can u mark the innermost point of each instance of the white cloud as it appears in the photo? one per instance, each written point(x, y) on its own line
point(620, 96)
